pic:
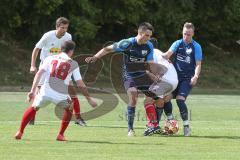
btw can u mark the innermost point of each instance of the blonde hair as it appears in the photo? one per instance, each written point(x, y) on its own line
point(189, 25)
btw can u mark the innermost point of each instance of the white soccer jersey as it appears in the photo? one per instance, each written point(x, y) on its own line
point(169, 80)
point(59, 69)
point(50, 44)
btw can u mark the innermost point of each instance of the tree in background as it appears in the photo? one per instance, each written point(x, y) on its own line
point(96, 21)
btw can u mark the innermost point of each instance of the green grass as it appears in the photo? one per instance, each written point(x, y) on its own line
point(215, 125)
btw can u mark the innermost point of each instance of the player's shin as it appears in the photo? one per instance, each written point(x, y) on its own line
point(168, 110)
point(27, 116)
point(183, 111)
point(65, 120)
point(130, 116)
point(76, 107)
point(159, 103)
point(151, 115)
point(159, 112)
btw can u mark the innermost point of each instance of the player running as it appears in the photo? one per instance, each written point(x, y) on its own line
point(57, 70)
point(187, 55)
point(50, 44)
point(136, 51)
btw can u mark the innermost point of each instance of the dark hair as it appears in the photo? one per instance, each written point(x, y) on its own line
point(61, 20)
point(145, 26)
point(154, 41)
point(68, 46)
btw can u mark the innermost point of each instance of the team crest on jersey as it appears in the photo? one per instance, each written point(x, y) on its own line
point(188, 50)
point(144, 52)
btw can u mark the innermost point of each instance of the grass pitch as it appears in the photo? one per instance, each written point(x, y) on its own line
point(215, 124)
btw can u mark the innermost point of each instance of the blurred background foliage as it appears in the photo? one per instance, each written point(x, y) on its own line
point(94, 22)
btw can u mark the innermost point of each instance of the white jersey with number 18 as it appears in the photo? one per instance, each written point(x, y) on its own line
point(59, 69)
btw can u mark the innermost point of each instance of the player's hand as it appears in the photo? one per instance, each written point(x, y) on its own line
point(155, 78)
point(33, 70)
point(92, 102)
point(30, 96)
point(194, 80)
point(91, 59)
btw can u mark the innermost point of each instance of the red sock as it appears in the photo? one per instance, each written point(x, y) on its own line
point(65, 120)
point(151, 115)
point(28, 115)
point(76, 107)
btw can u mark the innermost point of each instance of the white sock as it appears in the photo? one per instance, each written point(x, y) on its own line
point(185, 123)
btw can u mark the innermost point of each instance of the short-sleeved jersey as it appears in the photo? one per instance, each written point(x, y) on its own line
point(133, 53)
point(186, 56)
point(59, 69)
point(50, 44)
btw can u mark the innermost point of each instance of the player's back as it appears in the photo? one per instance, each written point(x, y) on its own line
point(171, 74)
point(158, 58)
point(59, 69)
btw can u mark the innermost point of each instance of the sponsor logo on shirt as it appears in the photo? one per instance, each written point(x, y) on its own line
point(55, 50)
point(144, 52)
point(188, 51)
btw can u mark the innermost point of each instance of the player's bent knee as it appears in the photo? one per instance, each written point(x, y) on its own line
point(132, 102)
point(168, 98)
point(65, 104)
point(133, 99)
point(70, 107)
point(132, 96)
point(180, 98)
point(159, 103)
point(36, 108)
point(148, 100)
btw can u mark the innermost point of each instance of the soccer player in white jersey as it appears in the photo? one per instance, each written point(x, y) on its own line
point(50, 44)
point(162, 89)
point(58, 70)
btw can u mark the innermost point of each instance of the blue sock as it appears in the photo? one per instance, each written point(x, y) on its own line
point(131, 115)
point(183, 109)
point(168, 108)
point(159, 112)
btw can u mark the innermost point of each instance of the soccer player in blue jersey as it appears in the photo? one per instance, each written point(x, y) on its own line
point(187, 55)
point(136, 50)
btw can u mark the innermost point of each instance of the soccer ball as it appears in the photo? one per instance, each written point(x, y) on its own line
point(171, 127)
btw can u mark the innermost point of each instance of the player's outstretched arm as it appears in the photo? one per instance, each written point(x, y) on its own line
point(33, 68)
point(84, 91)
point(104, 51)
point(167, 54)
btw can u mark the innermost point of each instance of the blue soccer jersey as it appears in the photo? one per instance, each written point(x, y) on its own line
point(134, 53)
point(186, 56)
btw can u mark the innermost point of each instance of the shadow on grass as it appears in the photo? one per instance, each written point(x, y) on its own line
point(113, 143)
point(92, 142)
point(103, 126)
point(216, 137)
point(199, 136)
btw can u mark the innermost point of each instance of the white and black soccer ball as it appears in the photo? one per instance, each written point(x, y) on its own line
point(171, 127)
